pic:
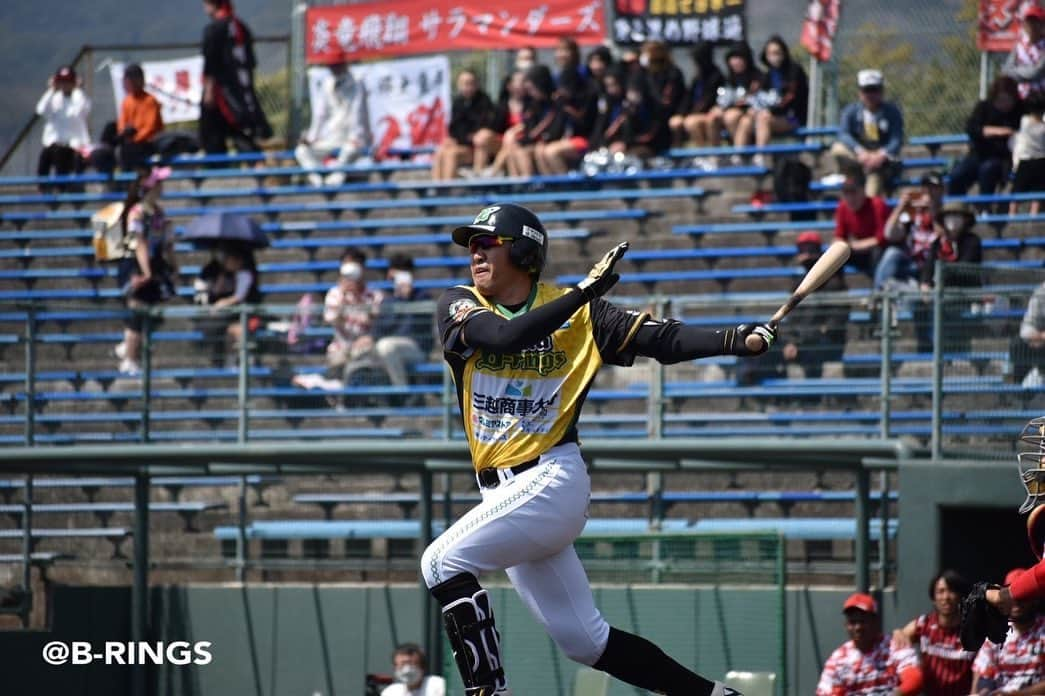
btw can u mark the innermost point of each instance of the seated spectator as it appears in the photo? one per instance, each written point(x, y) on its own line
point(992, 123)
point(1029, 153)
point(1018, 664)
point(599, 61)
point(743, 81)
point(909, 234)
point(543, 121)
point(350, 307)
point(1027, 351)
point(410, 665)
point(471, 111)
point(815, 333)
point(956, 243)
point(130, 141)
point(629, 119)
point(64, 108)
point(946, 666)
point(405, 338)
point(860, 221)
point(340, 127)
point(664, 80)
point(694, 120)
point(229, 279)
point(785, 111)
point(497, 141)
point(147, 274)
point(866, 664)
point(871, 135)
point(525, 58)
point(576, 98)
point(1026, 61)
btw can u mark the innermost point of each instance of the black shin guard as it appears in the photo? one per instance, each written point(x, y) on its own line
point(637, 661)
point(476, 645)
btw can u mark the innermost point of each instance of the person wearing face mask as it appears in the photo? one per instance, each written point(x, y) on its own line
point(404, 337)
point(910, 232)
point(340, 122)
point(409, 664)
point(787, 81)
point(957, 243)
point(1017, 666)
point(694, 119)
point(350, 307)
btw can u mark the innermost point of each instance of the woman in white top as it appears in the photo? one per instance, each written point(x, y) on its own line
point(66, 141)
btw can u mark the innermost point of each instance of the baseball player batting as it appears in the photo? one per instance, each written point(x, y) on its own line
point(523, 354)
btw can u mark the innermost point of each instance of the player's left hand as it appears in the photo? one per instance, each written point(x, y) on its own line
point(736, 344)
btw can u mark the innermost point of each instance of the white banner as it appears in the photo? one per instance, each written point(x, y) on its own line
point(177, 84)
point(408, 99)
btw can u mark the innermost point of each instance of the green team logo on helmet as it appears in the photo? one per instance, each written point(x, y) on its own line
point(483, 218)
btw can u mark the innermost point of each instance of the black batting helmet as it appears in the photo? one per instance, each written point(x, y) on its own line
point(530, 240)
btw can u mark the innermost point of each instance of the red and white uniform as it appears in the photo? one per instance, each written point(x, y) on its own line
point(1017, 663)
point(946, 666)
point(849, 672)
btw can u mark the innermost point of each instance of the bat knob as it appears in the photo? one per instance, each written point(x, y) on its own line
point(754, 343)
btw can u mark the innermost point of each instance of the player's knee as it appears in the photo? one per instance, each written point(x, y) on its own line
point(583, 643)
point(459, 586)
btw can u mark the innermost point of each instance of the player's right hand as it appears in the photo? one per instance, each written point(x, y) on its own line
point(601, 277)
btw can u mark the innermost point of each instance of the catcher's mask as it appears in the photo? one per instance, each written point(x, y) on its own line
point(1030, 458)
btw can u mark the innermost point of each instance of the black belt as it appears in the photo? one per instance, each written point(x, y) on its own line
point(489, 478)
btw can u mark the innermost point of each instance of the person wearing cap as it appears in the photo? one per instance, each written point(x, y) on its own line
point(991, 125)
point(910, 232)
point(871, 134)
point(860, 221)
point(350, 307)
point(66, 142)
point(148, 272)
point(956, 243)
point(340, 124)
point(946, 666)
point(1017, 666)
point(523, 354)
point(1026, 61)
point(867, 664)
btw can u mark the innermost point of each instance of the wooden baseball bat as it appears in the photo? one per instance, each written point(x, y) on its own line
point(825, 267)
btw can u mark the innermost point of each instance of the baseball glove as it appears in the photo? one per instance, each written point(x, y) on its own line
point(980, 619)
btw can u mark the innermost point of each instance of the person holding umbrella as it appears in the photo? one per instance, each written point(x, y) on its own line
point(146, 274)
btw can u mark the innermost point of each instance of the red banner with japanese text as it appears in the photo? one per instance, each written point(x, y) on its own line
point(367, 30)
point(819, 27)
point(998, 25)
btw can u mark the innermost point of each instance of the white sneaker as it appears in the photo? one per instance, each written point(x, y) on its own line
point(120, 350)
point(759, 160)
point(130, 368)
point(315, 180)
point(1033, 380)
point(736, 161)
point(335, 179)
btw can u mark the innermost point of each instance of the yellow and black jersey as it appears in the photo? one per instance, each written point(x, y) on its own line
point(515, 406)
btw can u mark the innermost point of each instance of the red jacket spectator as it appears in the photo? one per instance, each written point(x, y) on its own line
point(860, 221)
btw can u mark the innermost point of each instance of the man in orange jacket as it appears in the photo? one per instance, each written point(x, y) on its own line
point(130, 141)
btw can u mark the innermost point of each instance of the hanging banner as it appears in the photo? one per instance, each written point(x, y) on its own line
point(336, 33)
point(408, 100)
point(177, 84)
point(999, 24)
point(819, 27)
point(679, 22)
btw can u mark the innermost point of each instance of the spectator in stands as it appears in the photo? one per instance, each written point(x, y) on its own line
point(351, 308)
point(1019, 663)
point(695, 118)
point(471, 112)
point(781, 107)
point(147, 275)
point(64, 108)
point(525, 58)
point(743, 82)
point(340, 124)
point(599, 61)
point(543, 121)
point(576, 99)
point(909, 233)
point(495, 144)
point(1029, 152)
point(1026, 61)
point(946, 666)
point(405, 338)
point(629, 119)
point(665, 82)
point(410, 665)
point(229, 279)
point(815, 333)
point(131, 139)
point(956, 243)
point(866, 664)
point(860, 221)
point(992, 123)
point(569, 70)
point(871, 134)
point(230, 108)
point(1027, 351)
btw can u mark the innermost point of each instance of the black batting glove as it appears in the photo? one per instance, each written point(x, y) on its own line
point(734, 340)
point(602, 278)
